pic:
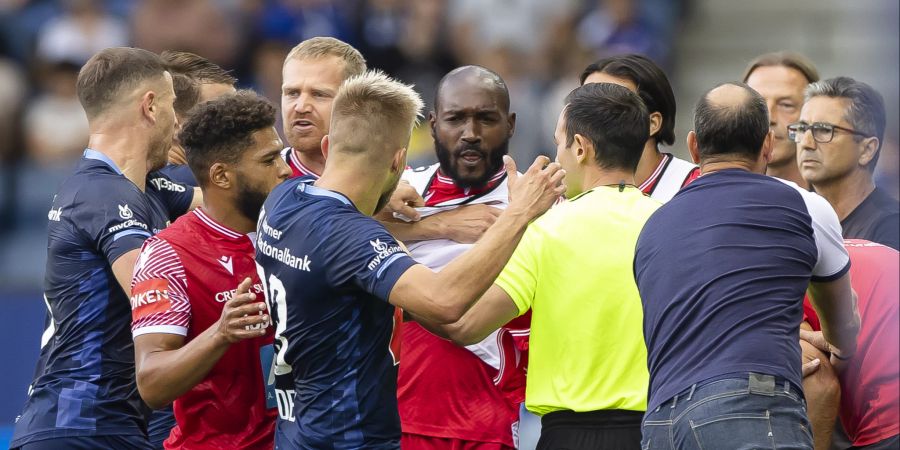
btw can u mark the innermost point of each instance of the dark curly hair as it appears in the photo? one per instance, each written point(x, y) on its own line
point(220, 130)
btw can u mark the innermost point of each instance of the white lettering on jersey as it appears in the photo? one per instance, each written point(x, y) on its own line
point(166, 184)
point(283, 255)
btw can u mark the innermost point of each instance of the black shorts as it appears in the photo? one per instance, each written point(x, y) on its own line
point(593, 430)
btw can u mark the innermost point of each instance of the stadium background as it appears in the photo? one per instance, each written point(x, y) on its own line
point(538, 46)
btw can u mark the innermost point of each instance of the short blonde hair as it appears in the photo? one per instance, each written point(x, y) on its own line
point(320, 47)
point(374, 111)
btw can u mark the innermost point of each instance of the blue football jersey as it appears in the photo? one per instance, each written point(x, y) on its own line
point(84, 383)
point(328, 271)
point(179, 173)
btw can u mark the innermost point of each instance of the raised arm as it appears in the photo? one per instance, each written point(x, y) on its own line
point(445, 297)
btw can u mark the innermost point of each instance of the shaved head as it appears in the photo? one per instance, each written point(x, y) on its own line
point(474, 77)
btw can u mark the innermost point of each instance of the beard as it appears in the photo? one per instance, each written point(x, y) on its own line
point(386, 195)
point(493, 158)
point(250, 201)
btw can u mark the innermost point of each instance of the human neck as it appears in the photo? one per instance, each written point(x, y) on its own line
point(127, 148)
point(787, 171)
point(596, 177)
point(176, 155)
point(846, 194)
point(713, 164)
point(314, 161)
point(223, 210)
point(650, 159)
point(354, 181)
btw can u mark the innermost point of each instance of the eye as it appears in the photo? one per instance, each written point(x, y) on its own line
point(787, 106)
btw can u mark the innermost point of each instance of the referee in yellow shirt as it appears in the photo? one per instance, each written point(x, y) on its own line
point(587, 368)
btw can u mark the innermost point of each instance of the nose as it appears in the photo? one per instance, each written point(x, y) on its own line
point(771, 105)
point(805, 140)
point(284, 171)
point(471, 132)
point(303, 104)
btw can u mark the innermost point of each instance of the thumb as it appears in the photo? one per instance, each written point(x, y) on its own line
point(512, 173)
point(811, 367)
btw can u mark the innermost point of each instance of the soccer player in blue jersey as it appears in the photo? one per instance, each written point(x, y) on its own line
point(84, 395)
point(333, 275)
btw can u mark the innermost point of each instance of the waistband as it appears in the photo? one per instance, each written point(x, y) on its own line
point(755, 383)
point(610, 418)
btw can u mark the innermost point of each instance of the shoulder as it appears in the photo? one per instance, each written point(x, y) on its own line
point(420, 176)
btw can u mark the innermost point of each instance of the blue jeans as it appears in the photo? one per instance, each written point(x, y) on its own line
point(752, 412)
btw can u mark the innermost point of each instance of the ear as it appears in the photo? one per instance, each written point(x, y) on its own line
point(511, 121)
point(325, 146)
point(869, 150)
point(584, 149)
point(768, 146)
point(432, 119)
point(149, 106)
point(219, 176)
point(655, 123)
point(693, 147)
point(399, 162)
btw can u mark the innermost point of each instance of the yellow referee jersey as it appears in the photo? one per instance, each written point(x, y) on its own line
point(573, 267)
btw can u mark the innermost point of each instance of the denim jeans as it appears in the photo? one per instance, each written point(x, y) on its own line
point(752, 412)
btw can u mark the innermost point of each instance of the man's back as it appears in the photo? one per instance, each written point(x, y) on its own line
point(721, 269)
point(336, 334)
point(84, 384)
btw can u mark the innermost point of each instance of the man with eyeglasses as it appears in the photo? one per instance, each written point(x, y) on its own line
point(839, 138)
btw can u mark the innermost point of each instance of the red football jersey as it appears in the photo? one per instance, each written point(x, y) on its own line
point(670, 175)
point(447, 391)
point(182, 279)
point(298, 169)
point(870, 385)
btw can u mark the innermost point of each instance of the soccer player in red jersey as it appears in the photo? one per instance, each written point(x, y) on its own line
point(198, 340)
point(870, 379)
point(659, 175)
point(451, 396)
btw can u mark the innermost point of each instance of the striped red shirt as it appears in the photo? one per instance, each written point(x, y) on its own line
point(182, 279)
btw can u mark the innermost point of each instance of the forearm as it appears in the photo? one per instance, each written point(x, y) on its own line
point(835, 303)
point(458, 285)
point(422, 230)
point(165, 375)
point(823, 396)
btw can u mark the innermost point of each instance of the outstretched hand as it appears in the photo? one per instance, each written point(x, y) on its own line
point(534, 192)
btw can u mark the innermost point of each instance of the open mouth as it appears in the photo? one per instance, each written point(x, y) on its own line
point(302, 125)
point(471, 157)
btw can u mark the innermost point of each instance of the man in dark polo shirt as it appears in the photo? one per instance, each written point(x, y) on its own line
point(839, 138)
point(721, 269)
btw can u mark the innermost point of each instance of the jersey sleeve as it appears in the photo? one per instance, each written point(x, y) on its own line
point(833, 261)
point(116, 221)
point(175, 196)
point(519, 278)
point(159, 301)
point(369, 257)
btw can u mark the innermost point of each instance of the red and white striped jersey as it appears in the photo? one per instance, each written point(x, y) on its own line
point(669, 177)
point(298, 169)
point(182, 279)
point(444, 390)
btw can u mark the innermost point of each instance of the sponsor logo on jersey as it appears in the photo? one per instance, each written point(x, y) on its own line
point(150, 297)
point(166, 184)
point(283, 255)
point(55, 214)
point(125, 212)
point(382, 252)
point(224, 296)
point(128, 224)
point(225, 261)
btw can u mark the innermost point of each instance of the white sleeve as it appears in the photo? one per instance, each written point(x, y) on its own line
point(834, 261)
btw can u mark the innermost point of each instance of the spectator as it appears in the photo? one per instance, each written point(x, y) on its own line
point(197, 26)
point(56, 128)
point(84, 29)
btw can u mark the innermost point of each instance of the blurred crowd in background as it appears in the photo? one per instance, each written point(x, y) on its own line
point(538, 46)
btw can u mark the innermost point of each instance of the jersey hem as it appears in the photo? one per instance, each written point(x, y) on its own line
point(834, 276)
point(72, 432)
point(162, 329)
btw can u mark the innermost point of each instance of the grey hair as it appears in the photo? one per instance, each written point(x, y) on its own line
point(866, 112)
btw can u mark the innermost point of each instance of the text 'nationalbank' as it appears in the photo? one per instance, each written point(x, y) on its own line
point(282, 255)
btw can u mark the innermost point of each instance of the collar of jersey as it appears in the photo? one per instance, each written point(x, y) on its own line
point(308, 188)
point(94, 154)
point(215, 226)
